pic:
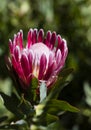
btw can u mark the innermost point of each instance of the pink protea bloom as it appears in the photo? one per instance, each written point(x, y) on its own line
point(41, 57)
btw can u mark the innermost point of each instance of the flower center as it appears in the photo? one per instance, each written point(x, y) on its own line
point(39, 49)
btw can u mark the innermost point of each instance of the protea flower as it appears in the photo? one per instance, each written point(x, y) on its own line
point(42, 56)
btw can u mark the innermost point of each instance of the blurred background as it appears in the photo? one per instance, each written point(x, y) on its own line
point(72, 20)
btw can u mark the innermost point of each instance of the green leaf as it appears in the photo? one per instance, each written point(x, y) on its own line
point(51, 118)
point(32, 90)
point(34, 83)
point(43, 91)
point(55, 126)
point(56, 106)
point(11, 104)
point(26, 107)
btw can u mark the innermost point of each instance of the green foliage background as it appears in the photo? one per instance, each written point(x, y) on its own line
point(72, 20)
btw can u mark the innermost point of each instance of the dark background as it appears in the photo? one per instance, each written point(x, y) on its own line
point(72, 20)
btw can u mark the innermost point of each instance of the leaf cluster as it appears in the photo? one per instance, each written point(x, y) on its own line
point(33, 111)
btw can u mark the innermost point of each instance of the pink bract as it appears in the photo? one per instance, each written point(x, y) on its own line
point(42, 56)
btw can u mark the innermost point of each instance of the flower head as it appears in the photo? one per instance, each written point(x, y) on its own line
point(42, 56)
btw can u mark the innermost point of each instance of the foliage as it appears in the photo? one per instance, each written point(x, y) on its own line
point(40, 114)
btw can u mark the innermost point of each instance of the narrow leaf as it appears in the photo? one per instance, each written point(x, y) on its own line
point(26, 107)
point(51, 118)
point(55, 126)
point(56, 106)
point(11, 104)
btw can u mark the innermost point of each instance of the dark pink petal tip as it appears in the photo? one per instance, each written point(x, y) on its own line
point(47, 39)
point(48, 36)
point(53, 39)
point(40, 35)
point(29, 38)
point(34, 37)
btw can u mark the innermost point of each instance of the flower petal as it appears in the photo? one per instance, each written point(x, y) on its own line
point(21, 39)
point(40, 35)
point(51, 67)
point(53, 39)
point(30, 59)
point(34, 37)
point(59, 61)
point(42, 67)
point(65, 50)
point(14, 63)
point(29, 38)
point(25, 64)
point(10, 46)
point(48, 38)
point(58, 56)
point(59, 39)
point(17, 53)
point(50, 71)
